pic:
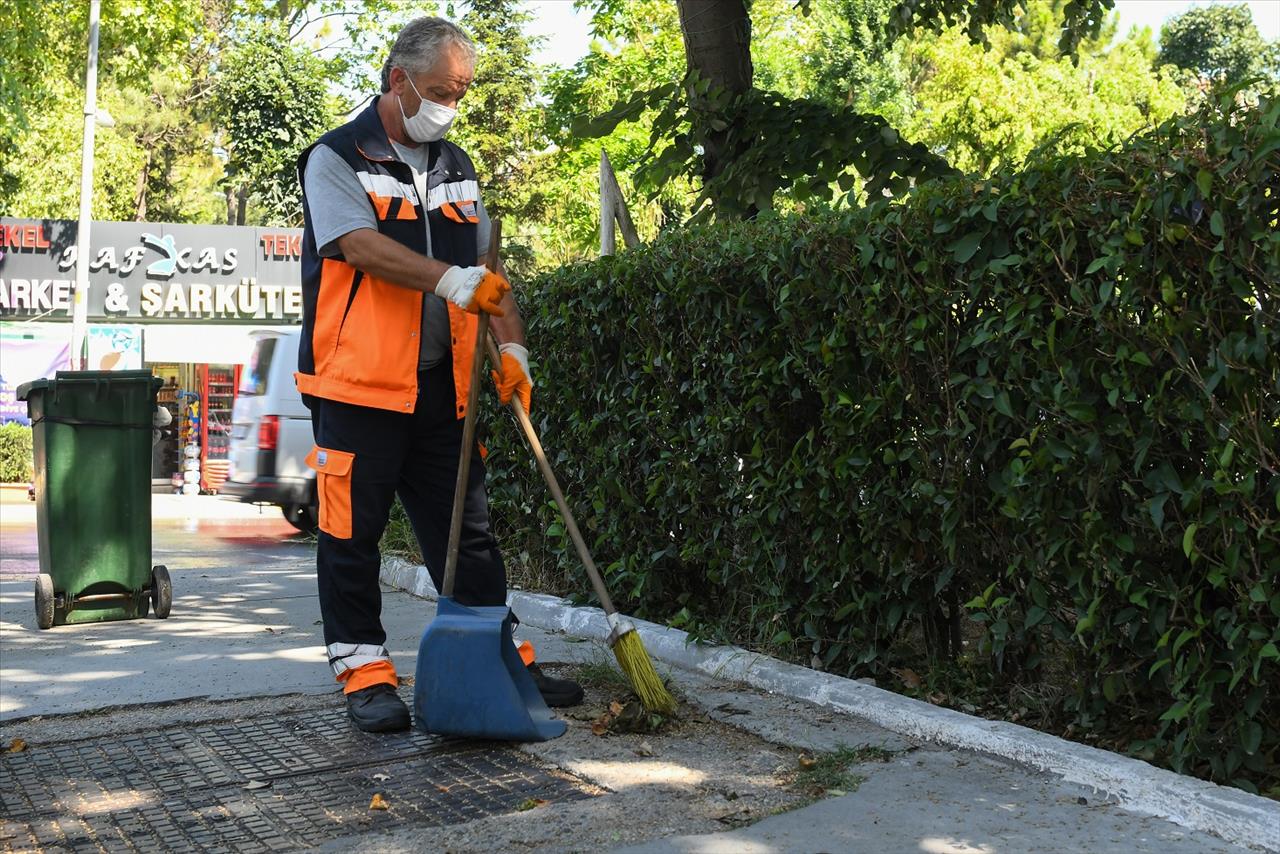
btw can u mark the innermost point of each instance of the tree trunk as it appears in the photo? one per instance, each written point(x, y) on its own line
point(140, 192)
point(231, 206)
point(717, 44)
point(242, 201)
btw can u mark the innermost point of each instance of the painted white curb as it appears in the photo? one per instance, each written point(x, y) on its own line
point(1231, 814)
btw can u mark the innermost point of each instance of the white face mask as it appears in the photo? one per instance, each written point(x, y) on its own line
point(432, 120)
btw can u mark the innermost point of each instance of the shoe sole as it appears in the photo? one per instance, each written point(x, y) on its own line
point(563, 700)
point(381, 726)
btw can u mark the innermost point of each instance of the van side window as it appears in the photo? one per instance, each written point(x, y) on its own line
point(253, 381)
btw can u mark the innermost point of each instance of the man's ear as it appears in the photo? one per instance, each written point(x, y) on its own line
point(397, 80)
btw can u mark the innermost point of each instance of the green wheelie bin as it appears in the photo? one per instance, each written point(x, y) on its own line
point(91, 432)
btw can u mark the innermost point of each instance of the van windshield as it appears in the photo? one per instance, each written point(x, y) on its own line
point(253, 380)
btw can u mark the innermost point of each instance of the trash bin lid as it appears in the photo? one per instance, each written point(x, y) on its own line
point(24, 390)
point(73, 377)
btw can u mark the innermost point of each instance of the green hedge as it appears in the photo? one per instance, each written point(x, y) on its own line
point(1023, 430)
point(15, 453)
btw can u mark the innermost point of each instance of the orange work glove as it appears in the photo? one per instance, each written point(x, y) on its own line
point(473, 289)
point(515, 376)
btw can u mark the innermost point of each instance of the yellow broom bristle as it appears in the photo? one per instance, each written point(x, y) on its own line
point(634, 661)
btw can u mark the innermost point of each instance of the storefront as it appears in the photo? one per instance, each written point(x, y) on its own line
point(180, 300)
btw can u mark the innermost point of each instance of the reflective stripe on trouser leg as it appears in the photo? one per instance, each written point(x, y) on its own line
point(360, 666)
point(351, 656)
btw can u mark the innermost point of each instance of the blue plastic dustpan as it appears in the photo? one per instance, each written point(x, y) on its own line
point(471, 681)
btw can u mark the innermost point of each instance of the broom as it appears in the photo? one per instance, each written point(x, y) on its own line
point(627, 646)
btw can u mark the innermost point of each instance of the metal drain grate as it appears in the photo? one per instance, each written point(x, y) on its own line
point(184, 788)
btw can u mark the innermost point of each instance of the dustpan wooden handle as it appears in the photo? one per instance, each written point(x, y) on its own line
point(554, 486)
point(469, 427)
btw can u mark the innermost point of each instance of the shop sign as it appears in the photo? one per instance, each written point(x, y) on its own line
point(153, 272)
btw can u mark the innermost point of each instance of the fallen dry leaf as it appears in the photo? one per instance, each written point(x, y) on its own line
point(378, 778)
point(531, 803)
point(254, 785)
point(16, 746)
point(269, 630)
point(643, 749)
point(604, 722)
point(909, 677)
point(379, 803)
point(807, 761)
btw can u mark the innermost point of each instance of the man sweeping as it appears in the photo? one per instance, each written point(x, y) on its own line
point(392, 287)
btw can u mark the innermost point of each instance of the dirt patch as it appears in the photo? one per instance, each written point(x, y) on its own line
point(692, 775)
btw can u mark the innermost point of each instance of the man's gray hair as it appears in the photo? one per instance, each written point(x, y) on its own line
point(420, 44)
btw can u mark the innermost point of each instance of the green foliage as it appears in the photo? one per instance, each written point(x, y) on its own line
point(847, 54)
point(44, 44)
point(781, 143)
point(1081, 19)
point(637, 44)
point(16, 463)
point(154, 163)
point(987, 109)
point(158, 62)
point(272, 99)
point(500, 124)
point(1218, 42)
point(45, 164)
point(850, 110)
point(1043, 406)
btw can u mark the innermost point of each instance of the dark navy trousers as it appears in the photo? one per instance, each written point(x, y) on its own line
point(364, 458)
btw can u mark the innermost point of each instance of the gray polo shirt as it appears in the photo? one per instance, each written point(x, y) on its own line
point(339, 205)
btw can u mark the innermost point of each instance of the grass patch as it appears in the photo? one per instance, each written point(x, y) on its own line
point(828, 774)
point(398, 539)
point(603, 674)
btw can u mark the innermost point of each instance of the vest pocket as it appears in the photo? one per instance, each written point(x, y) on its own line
point(333, 485)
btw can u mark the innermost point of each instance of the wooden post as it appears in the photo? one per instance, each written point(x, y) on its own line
point(613, 210)
point(608, 242)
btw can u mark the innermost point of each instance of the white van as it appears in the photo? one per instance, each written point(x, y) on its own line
point(271, 432)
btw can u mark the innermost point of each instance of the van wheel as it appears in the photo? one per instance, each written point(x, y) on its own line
point(304, 517)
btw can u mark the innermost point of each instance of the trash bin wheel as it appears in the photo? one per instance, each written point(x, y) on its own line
point(44, 601)
point(161, 591)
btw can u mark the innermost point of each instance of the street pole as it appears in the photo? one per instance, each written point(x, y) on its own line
point(80, 306)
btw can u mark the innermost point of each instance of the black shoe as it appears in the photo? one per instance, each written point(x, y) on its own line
point(378, 709)
point(556, 693)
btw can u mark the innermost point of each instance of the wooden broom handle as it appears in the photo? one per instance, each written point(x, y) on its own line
point(469, 427)
point(553, 485)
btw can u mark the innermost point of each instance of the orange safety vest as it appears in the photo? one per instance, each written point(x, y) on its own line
point(361, 335)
